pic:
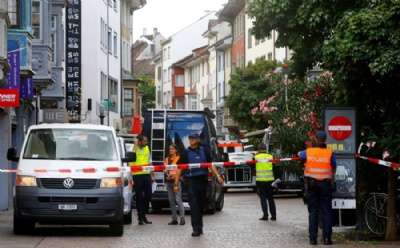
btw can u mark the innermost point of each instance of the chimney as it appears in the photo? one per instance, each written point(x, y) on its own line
point(154, 32)
point(144, 31)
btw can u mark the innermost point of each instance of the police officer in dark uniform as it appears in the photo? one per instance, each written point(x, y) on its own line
point(320, 167)
point(195, 180)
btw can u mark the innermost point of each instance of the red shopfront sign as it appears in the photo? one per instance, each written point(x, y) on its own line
point(9, 97)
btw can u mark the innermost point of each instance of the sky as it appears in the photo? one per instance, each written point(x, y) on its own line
point(171, 16)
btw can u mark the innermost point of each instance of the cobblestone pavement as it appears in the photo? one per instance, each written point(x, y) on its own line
point(237, 225)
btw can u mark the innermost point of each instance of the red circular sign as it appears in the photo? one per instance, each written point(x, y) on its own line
point(339, 128)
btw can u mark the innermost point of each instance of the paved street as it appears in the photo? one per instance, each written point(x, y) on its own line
point(237, 225)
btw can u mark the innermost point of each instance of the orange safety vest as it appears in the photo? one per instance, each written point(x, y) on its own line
point(172, 172)
point(318, 163)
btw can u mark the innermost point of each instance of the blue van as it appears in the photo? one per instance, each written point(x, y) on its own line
point(163, 127)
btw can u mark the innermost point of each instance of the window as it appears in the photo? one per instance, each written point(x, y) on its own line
point(36, 18)
point(159, 72)
point(103, 86)
point(158, 96)
point(179, 81)
point(269, 56)
point(113, 95)
point(109, 41)
point(14, 10)
point(220, 62)
point(115, 44)
point(101, 32)
point(128, 102)
point(249, 38)
point(53, 39)
point(193, 102)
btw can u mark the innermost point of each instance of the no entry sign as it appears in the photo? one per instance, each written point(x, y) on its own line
point(339, 128)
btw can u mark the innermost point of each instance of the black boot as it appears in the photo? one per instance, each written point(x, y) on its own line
point(327, 241)
point(313, 241)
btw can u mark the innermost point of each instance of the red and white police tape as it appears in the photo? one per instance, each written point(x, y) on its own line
point(393, 165)
point(153, 167)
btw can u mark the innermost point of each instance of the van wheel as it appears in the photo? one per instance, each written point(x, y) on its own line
point(220, 204)
point(117, 228)
point(23, 227)
point(128, 218)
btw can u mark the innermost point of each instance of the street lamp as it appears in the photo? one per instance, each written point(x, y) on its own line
point(101, 110)
point(102, 115)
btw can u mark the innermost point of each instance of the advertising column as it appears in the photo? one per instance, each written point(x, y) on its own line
point(340, 122)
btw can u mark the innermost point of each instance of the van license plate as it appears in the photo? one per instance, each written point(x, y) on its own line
point(67, 207)
point(161, 188)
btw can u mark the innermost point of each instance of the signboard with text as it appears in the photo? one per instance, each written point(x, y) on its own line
point(27, 89)
point(339, 123)
point(14, 74)
point(73, 60)
point(9, 97)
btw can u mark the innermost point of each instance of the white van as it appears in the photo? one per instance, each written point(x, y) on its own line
point(68, 174)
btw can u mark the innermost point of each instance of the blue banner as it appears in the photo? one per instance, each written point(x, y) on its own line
point(26, 91)
point(13, 75)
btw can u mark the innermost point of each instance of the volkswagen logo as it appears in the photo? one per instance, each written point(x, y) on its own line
point(68, 183)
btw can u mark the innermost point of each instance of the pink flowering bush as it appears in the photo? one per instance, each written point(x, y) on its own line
point(293, 108)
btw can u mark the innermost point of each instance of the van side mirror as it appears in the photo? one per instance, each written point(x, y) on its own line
point(129, 157)
point(12, 154)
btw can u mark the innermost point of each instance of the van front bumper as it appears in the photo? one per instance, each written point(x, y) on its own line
point(69, 206)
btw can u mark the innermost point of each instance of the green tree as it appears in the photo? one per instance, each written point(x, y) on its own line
point(357, 40)
point(250, 80)
point(148, 87)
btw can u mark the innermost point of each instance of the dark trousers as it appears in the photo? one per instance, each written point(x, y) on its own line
point(143, 194)
point(320, 196)
point(265, 192)
point(196, 191)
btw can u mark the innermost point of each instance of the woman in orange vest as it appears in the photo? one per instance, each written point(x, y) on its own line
point(174, 198)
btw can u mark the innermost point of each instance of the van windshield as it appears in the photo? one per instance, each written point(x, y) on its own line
point(70, 144)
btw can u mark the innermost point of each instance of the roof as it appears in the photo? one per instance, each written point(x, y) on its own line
point(71, 126)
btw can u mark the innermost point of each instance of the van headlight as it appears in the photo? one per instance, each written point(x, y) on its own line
point(25, 181)
point(110, 182)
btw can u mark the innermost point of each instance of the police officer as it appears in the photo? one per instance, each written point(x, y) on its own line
point(142, 179)
point(195, 180)
point(320, 166)
point(264, 179)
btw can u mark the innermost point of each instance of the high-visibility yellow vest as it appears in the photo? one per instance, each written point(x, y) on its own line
point(264, 171)
point(318, 163)
point(142, 159)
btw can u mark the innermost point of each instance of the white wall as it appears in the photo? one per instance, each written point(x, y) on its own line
point(95, 59)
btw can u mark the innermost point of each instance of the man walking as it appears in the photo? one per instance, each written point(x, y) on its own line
point(195, 180)
point(142, 179)
point(320, 166)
